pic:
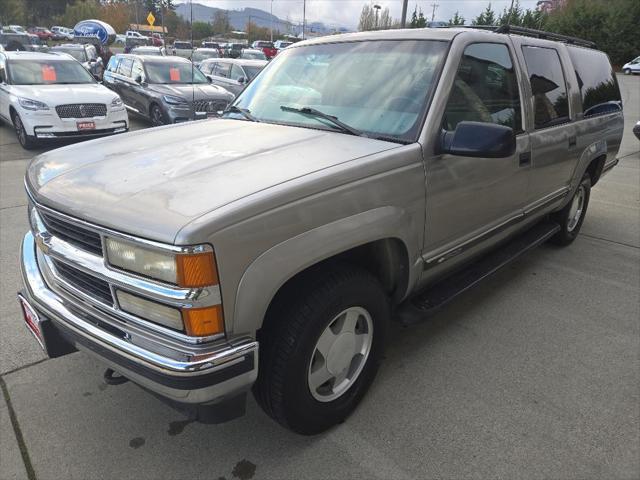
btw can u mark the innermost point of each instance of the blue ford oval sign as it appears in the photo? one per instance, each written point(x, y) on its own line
point(95, 29)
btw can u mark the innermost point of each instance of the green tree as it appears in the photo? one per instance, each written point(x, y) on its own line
point(201, 30)
point(613, 25)
point(12, 12)
point(221, 23)
point(487, 17)
point(79, 10)
point(511, 15)
point(417, 19)
point(457, 19)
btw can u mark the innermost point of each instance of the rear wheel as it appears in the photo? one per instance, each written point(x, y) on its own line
point(157, 117)
point(570, 218)
point(320, 348)
point(27, 141)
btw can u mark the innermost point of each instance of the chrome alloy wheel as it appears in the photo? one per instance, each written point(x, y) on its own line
point(340, 354)
point(577, 206)
point(20, 131)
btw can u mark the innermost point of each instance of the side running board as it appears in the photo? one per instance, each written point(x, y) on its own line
point(425, 303)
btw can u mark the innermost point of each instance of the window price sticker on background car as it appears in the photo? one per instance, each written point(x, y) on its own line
point(86, 125)
point(174, 74)
point(48, 73)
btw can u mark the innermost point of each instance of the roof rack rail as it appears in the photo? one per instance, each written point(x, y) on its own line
point(532, 32)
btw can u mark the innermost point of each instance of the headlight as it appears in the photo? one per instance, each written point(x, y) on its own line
point(117, 102)
point(29, 104)
point(191, 270)
point(173, 100)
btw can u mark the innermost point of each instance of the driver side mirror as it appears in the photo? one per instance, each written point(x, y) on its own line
point(242, 80)
point(138, 79)
point(479, 139)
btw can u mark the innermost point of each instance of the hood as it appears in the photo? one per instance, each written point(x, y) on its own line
point(199, 92)
point(151, 183)
point(54, 95)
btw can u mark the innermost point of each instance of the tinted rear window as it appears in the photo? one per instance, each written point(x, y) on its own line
point(597, 82)
point(547, 85)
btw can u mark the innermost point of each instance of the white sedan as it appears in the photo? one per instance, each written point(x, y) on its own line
point(48, 96)
point(632, 67)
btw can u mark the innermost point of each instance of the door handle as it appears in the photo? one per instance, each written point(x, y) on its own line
point(525, 159)
point(573, 141)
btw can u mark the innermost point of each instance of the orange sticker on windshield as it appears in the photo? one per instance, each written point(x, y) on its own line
point(174, 74)
point(48, 73)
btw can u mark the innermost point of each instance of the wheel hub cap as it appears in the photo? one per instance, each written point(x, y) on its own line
point(340, 354)
point(575, 212)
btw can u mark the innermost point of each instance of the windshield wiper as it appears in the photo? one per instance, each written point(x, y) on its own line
point(317, 113)
point(242, 111)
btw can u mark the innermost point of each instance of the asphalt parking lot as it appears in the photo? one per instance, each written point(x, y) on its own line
point(533, 374)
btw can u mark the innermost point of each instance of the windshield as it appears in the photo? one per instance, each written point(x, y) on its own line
point(180, 73)
point(76, 53)
point(251, 71)
point(49, 72)
point(147, 51)
point(253, 55)
point(379, 87)
point(198, 56)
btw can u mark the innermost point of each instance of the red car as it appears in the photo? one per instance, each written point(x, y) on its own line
point(267, 47)
point(41, 32)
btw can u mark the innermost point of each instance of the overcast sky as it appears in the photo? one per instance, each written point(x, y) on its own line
point(346, 12)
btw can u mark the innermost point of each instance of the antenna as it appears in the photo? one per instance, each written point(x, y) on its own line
point(510, 13)
point(193, 85)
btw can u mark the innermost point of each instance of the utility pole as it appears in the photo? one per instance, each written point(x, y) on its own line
point(433, 12)
point(377, 8)
point(271, 20)
point(304, 17)
point(403, 19)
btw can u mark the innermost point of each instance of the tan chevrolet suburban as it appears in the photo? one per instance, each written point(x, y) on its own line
point(359, 179)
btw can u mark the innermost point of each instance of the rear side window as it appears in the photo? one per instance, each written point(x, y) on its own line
point(485, 89)
point(124, 68)
point(113, 64)
point(597, 82)
point(223, 70)
point(551, 106)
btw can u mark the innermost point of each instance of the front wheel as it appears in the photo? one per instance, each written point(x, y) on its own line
point(570, 218)
point(627, 71)
point(157, 117)
point(27, 141)
point(320, 348)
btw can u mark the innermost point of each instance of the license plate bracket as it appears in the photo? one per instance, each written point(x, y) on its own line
point(87, 125)
point(45, 332)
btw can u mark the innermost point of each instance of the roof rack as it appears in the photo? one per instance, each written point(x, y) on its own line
point(532, 32)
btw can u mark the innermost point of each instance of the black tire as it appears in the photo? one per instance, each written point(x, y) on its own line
point(156, 115)
point(27, 141)
point(288, 341)
point(566, 218)
point(627, 71)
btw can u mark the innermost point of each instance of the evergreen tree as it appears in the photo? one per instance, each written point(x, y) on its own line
point(457, 19)
point(487, 17)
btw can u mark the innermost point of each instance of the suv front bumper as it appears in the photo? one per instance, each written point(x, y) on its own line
point(224, 372)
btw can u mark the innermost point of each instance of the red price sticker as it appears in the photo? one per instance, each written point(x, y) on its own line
point(174, 74)
point(48, 73)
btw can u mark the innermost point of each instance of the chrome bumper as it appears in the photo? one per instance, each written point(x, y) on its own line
point(201, 374)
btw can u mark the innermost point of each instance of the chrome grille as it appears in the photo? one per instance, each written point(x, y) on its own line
point(210, 106)
point(82, 110)
point(72, 233)
point(88, 284)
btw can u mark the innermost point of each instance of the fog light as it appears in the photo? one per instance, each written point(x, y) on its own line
point(149, 310)
point(201, 322)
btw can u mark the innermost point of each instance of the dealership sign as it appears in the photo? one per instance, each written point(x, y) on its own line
point(95, 29)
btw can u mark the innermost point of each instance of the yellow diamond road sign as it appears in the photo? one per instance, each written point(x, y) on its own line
point(151, 19)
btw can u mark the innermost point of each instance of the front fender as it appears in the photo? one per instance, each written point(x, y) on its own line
point(270, 271)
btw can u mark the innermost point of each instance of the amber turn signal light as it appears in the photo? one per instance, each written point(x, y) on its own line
point(201, 322)
point(197, 270)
